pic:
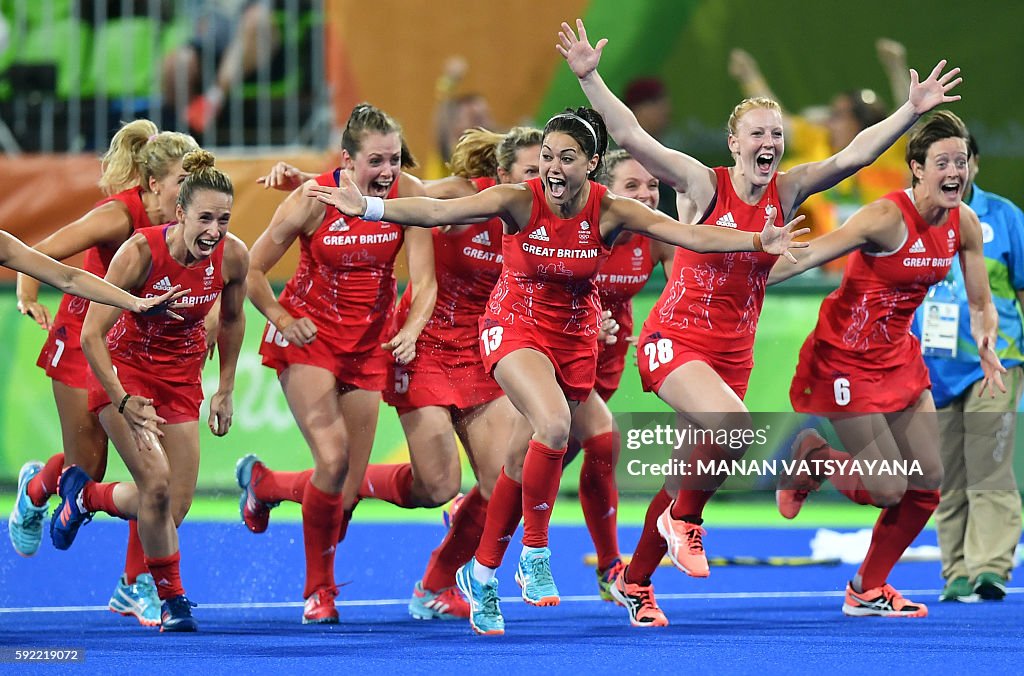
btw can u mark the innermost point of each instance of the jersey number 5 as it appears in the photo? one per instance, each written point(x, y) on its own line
point(659, 352)
point(491, 339)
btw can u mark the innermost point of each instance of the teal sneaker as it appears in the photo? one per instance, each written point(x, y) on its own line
point(25, 525)
point(484, 607)
point(138, 600)
point(447, 604)
point(990, 587)
point(606, 578)
point(958, 589)
point(534, 576)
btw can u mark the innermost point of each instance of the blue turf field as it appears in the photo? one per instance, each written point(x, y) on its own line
point(248, 587)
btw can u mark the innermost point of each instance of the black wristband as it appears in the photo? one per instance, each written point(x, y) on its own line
point(120, 407)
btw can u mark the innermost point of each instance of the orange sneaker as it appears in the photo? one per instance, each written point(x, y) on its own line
point(685, 544)
point(639, 601)
point(320, 608)
point(882, 601)
point(793, 490)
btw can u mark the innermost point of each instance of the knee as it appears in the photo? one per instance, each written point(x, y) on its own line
point(440, 492)
point(332, 468)
point(155, 492)
point(888, 495)
point(553, 430)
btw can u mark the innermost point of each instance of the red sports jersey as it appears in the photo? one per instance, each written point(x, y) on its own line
point(621, 277)
point(863, 329)
point(548, 282)
point(713, 301)
point(61, 355)
point(159, 356)
point(546, 297)
point(447, 370)
point(345, 280)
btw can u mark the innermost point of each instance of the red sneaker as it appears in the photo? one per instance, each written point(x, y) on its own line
point(685, 544)
point(320, 608)
point(255, 513)
point(882, 601)
point(793, 490)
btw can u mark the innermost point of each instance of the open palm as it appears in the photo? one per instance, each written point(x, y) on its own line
point(581, 56)
point(933, 91)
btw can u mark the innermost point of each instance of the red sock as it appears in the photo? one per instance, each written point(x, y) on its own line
point(100, 498)
point(43, 485)
point(599, 495)
point(321, 519)
point(271, 486)
point(852, 486)
point(346, 519)
point(167, 574)
point(651, 548)
point(390, 483)
point(542, 472)
point(896, 528)
point(699, 487)
point(459, 544)
point(504, 511)
point(134, 558)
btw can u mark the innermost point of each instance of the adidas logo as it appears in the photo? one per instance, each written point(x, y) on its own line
point(610, 513)
point(542, 507)
point(918, 246)
point(164, 582)
point(505, 538)
point(540, 234)
point(338, 226)
point(726, 221)
point(164, 284)
point(483, 239)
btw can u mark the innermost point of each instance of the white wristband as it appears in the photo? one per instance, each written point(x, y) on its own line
point(374, 209)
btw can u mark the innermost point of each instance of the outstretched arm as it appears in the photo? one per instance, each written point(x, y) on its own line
point(879, 224)
point(806, 179)
point(511, 203)
point(893, 57)
point(629, 214)
point(682, 172)
point(984, 318)
point(16, 255)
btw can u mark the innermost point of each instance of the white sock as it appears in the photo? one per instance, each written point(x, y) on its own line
point(482, 573)
point(80, 502)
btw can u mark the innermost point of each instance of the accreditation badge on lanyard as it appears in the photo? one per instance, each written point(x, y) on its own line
point(940, 329)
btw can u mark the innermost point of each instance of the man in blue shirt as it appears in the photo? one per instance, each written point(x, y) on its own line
point(979, 518)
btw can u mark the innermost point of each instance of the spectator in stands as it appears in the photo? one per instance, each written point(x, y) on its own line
point(242, 38)
point(454, 114)
point(979, 520)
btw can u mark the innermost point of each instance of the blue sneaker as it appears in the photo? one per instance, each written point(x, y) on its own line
point(69, 516)
point(484, 607)
point(534, 576)
point(176, 615)
point(447, 604)
point(139, 600)
point(255, 513)
point(25, 525)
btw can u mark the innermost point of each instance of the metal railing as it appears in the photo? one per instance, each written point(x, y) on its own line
point(73, 70)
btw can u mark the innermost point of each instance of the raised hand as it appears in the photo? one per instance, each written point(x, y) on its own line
point(282, 176)
point(346, 198)
point(933, 91)
point(991, 367)
point(779, 241)
point(578, 52)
